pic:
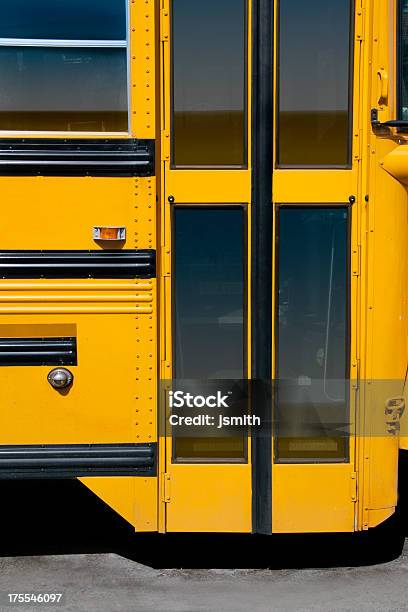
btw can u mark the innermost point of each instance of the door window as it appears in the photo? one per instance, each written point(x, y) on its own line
point(209, 83)
point(311, 411)
point(209, 316)
point(314, 83)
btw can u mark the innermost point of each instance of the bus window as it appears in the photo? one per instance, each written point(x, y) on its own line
point(312, 334)
point(62, 73)
point(209, 84)
point(209, 311)
point(63, 19)
point(314, 119)
point(403, 60)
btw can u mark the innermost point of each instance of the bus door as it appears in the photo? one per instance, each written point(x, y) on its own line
point(206, 229)
point(316, 207)
point(258, 285)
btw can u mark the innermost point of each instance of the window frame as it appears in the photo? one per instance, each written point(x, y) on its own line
point(48, 43)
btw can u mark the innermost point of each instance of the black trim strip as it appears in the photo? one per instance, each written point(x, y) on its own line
point(74, 460)
point(76, 157)
point(262, 220)
point(78, 264)
point(38, 351)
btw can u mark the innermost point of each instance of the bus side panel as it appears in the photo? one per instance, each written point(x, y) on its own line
point(298, 499)
point(135, 499)
point(385, 314)
point(113, 398)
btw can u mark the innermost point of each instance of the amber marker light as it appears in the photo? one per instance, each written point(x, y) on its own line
point(109, 233)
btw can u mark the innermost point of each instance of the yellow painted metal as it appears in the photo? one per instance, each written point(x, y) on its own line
point(133, 498)
point(32, 330)
point(384, 270)
point(316, 497)
point(311, 497)
point(331, 186)
point(379, 515)
point(114, 395)
point(362, 492)
point(212, 498)
point(396, 163)
point(201, 185)
point(204, 497)
point(118, 323)
point(60, 213)
point(65, 135)
point(209, 186)
point(113, 398)
point(303, 494)
point(143, 41)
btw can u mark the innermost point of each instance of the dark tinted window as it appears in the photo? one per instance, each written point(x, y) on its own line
point(208, 83)
point(312, 333)
point(314, 87)
point(209, 292)
point(209, 317)
point(70, 19)
point(63, 89)
point(403, 60)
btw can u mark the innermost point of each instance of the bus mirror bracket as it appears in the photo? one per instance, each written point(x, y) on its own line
point(394, 123)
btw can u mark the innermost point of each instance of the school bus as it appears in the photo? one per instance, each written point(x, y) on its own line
point(203, 266)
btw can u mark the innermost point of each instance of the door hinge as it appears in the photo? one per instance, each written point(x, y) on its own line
point(356, 260)
point(165, 25)
point(359, 34)
point(358, 139)
point(355, 377)
point(166, 369)
point(166, 262)
point(165, 145)
point(353, 486)
point(166, 488)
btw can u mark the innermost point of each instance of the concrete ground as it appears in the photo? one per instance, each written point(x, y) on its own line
point(57, 537)
point(109, 582)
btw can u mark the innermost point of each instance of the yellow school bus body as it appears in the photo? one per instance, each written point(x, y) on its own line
point(124, 326)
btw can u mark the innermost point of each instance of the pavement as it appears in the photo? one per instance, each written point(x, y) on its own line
point(58, 538)
point(113, 583)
